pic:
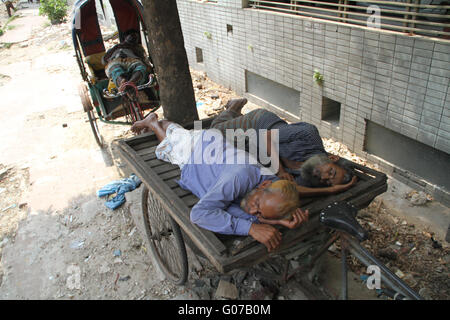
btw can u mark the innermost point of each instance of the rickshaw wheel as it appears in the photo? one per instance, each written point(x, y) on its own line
point(89, 109)
point(165, 239)
point(94, 127)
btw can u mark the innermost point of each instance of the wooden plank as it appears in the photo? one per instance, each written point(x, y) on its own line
point(149, 157)
point(171, 174)
point(147, 150)
point(172, 183)
point(180, 191)
point(205, 240)
point(134, 141)
point(155, 163)
point(190, 200)
point(146, 145)
point(165, 168)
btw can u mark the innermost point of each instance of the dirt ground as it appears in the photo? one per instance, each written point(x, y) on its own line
point(57, 238)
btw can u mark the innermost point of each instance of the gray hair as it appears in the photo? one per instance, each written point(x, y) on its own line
point(311, 175)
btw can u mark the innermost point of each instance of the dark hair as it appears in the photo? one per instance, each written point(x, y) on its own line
point(309, 167)
point(130, 31)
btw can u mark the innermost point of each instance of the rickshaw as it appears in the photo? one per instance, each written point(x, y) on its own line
point(167, 229)
point(96, 90)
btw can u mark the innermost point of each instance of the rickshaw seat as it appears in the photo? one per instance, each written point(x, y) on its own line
point(341, 216)
point(95, 64)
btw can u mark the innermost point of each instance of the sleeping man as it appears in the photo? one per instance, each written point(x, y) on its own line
point(235, 197)
point(300, 151)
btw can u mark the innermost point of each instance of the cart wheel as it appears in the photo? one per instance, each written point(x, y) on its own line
point(88, 108)
point(165, 238)
point(94, 127)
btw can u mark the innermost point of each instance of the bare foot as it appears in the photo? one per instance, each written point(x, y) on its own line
point(236, 105)
point(146, 124)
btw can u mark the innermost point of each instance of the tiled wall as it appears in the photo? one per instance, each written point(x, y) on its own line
point(395, 80)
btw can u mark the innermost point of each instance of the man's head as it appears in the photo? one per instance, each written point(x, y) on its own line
point(272, 200)
point(324, 171)
point(131, 36)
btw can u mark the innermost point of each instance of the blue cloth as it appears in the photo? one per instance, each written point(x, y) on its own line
point(220, 186)
point(119, 187)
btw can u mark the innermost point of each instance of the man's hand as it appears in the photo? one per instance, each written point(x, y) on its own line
point(342, 187)
point(267, 235)
point(298, 217)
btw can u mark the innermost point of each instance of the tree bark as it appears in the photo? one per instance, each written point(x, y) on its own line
point(170, 60)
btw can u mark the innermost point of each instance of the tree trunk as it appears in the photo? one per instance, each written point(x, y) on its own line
point(171, 64)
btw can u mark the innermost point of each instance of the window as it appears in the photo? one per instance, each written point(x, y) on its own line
point(422, 17)
point(429, 163)
point(199, 55)
point(331, 111)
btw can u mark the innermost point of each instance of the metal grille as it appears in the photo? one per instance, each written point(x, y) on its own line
point(421, 17)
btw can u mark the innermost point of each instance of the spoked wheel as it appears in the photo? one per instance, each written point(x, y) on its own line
point(165, 238)
point(88, 108)
point(94, 127)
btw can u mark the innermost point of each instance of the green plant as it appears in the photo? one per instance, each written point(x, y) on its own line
point(208, 34)
point(318, 77)
point(56, 10)
point(1, 32)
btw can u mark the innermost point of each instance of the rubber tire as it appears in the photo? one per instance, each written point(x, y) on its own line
point(179, 242)
point(94, 127)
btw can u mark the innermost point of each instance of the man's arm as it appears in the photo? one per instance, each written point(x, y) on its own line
point(311, 192)
point(216, 211)
point(211, 210)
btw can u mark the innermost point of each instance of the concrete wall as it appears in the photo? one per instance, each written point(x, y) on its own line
point(394, 80)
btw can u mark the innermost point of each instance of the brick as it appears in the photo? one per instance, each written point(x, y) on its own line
point(404, 41)
point(409, 130)
point(443, 144)
point(440, 64)
point(421, 60)
point(440, 47)
point(424, 44)
point(426, 137)
point(441, 56)
point(440, 72)
point(388, 38)
point(403, 49)
point(423, 53)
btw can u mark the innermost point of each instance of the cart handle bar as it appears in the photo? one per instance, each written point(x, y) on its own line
point(150, 83)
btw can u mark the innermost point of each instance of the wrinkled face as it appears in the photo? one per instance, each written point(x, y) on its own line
point(330, 174)
point(264, 203)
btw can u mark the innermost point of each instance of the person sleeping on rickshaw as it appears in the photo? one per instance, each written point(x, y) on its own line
point(125, 63)
point(303, 158)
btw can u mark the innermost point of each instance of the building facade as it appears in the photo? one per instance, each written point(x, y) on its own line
point(385, 94)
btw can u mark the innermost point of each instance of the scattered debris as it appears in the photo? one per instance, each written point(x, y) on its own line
point(117, 253)
point(126, 278)
point(418, 198)
point(77, 244)
point(226, 290)
point(436, 244)
point(4, 173)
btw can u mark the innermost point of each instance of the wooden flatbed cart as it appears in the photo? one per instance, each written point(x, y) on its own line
point(166, 212)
